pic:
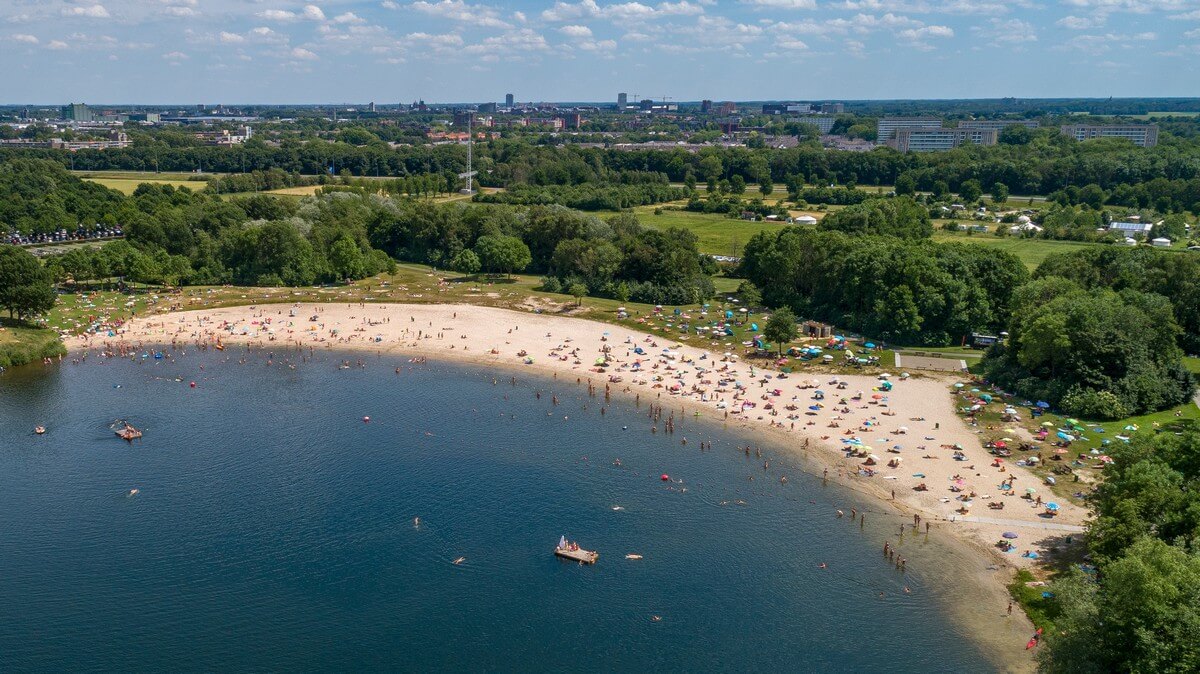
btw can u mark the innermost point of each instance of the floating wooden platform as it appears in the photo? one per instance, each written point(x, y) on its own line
point(582, 556)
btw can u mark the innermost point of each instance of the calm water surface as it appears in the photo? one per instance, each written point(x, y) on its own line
point(274, 531)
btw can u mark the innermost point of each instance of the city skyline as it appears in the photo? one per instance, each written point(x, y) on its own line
point(292, 51)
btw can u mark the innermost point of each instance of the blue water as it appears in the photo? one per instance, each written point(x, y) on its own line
point(274, 531)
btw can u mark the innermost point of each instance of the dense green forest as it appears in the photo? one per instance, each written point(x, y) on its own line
point(902, 290)
point(1137, 609)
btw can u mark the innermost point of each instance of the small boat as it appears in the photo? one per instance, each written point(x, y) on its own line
point(572, 551)
point(40, 430)
point(633, 556)
point(126, 431)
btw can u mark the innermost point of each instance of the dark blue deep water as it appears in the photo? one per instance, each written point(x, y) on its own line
point(274, 531)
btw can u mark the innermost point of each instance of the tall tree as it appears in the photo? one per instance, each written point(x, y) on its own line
point(26, 287)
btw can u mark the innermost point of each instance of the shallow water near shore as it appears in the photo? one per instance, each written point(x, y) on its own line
point(274, 529)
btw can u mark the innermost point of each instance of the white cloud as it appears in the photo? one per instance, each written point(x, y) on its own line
point(1193, 34)
point(277, 15)
point(90, 11)
point(348, 17)
point(302, 54)
point(782, 4)
point(625, 11)
point(791, 43)
point(1078, 22)
point(1010, 31)
point(925, 32)
point(682, 8)
point(230, 38)
point(576, 31)
point(175, 56)
point(519, 17)
point(57, 45)
point(26, 39)
point(308, 13)
point(457, 10)
point(180, 11)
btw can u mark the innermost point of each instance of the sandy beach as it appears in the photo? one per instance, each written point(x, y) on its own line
point(899, 446)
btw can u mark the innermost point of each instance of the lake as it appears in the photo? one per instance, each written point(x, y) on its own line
point(274, 530)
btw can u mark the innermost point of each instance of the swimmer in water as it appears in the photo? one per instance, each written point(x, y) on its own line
point(822, 565)
point(416, 522)
point(134, 492)
point(460, 560)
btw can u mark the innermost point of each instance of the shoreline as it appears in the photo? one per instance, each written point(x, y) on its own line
point(493, 338)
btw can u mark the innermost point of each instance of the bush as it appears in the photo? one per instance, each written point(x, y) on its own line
point(1091, 404)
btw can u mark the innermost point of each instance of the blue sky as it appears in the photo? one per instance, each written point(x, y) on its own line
point(303, 51)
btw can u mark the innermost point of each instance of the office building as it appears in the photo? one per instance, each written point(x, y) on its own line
point(935, 139)
point(997, 124)
point(147, 117)
point(832, 108)
point(622, 101)
point(371, 106)
point(887, 126)
point(572, 120)
point(487, 107)
point(786, 108)
point(824, 123)
point(508, 100)
point(554, 123)
point(78, 112)
point(1142, 135)
point(706, 106)
point(463, 118)
point(726, 108)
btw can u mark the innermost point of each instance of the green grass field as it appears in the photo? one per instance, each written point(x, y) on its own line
point(1031, 251)
point(21, 344)
point(127, 181)
point(718, 234)
point(128, 185)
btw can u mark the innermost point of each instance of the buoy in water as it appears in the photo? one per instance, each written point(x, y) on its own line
point(666, 478)
point(193, 384)
point(366, 420)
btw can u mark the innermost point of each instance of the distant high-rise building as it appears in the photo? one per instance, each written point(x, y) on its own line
point(77, 112)
point(832, 108)
point(784, 108)
point(622, 101)
point(886, 127)
point(934, 139)
point(371, 106)
point(706, 106)
point(487, 107)
point(823, 123)
point(997, 124)
point(1142, 135)
point(726, 108)
point(463, 117)
point(572, 120)
point(508, 100)
point(646, 104)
